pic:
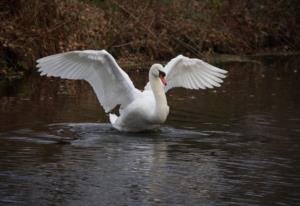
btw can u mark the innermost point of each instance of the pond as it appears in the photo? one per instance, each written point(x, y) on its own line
point(235, 145)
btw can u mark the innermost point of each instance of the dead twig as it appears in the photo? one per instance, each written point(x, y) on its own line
point(142, 25)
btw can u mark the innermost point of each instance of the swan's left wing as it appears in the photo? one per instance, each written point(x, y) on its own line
point(110, 83)
point(192, 73)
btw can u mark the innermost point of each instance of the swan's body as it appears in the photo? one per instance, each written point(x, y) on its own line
point(139, 110)
point(141, 114)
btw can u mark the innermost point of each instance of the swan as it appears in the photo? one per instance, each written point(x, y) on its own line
point(138, 110)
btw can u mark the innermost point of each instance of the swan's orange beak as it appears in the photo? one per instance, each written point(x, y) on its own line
point(163, 79)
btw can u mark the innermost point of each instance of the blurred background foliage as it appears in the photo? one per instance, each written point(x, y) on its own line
point(135, 31)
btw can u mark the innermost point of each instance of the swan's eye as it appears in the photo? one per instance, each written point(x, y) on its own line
point(162, 74)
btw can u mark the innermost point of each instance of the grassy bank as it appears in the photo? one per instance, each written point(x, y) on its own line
point(153, 30)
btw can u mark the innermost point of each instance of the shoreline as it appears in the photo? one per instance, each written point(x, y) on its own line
point(11, 74)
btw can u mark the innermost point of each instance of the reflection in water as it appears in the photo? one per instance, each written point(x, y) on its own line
point(236, 145)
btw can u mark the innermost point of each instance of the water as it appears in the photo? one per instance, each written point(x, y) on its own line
point(236, 145)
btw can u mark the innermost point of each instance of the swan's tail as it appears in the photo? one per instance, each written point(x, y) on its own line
point(112, 118)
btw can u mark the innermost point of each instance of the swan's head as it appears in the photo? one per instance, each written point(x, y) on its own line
point(156, 71)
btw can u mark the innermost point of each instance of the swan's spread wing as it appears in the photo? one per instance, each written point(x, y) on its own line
point(110, 83)
point(192, 74)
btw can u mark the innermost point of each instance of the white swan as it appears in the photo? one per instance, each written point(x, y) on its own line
point(139, 110)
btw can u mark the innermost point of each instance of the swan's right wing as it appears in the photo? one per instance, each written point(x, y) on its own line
point(110, 83)
point(192, 73)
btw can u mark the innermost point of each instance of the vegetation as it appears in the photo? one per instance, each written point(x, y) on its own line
point(152, 30)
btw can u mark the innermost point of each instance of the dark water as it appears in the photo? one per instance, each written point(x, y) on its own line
point(236, 145)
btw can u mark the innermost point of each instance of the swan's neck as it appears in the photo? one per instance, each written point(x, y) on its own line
point(161, 107)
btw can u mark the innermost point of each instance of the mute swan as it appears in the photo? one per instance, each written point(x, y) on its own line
point(139, 110)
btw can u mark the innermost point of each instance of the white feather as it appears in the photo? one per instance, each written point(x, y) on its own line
point(192, 74)
point(110, 83)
